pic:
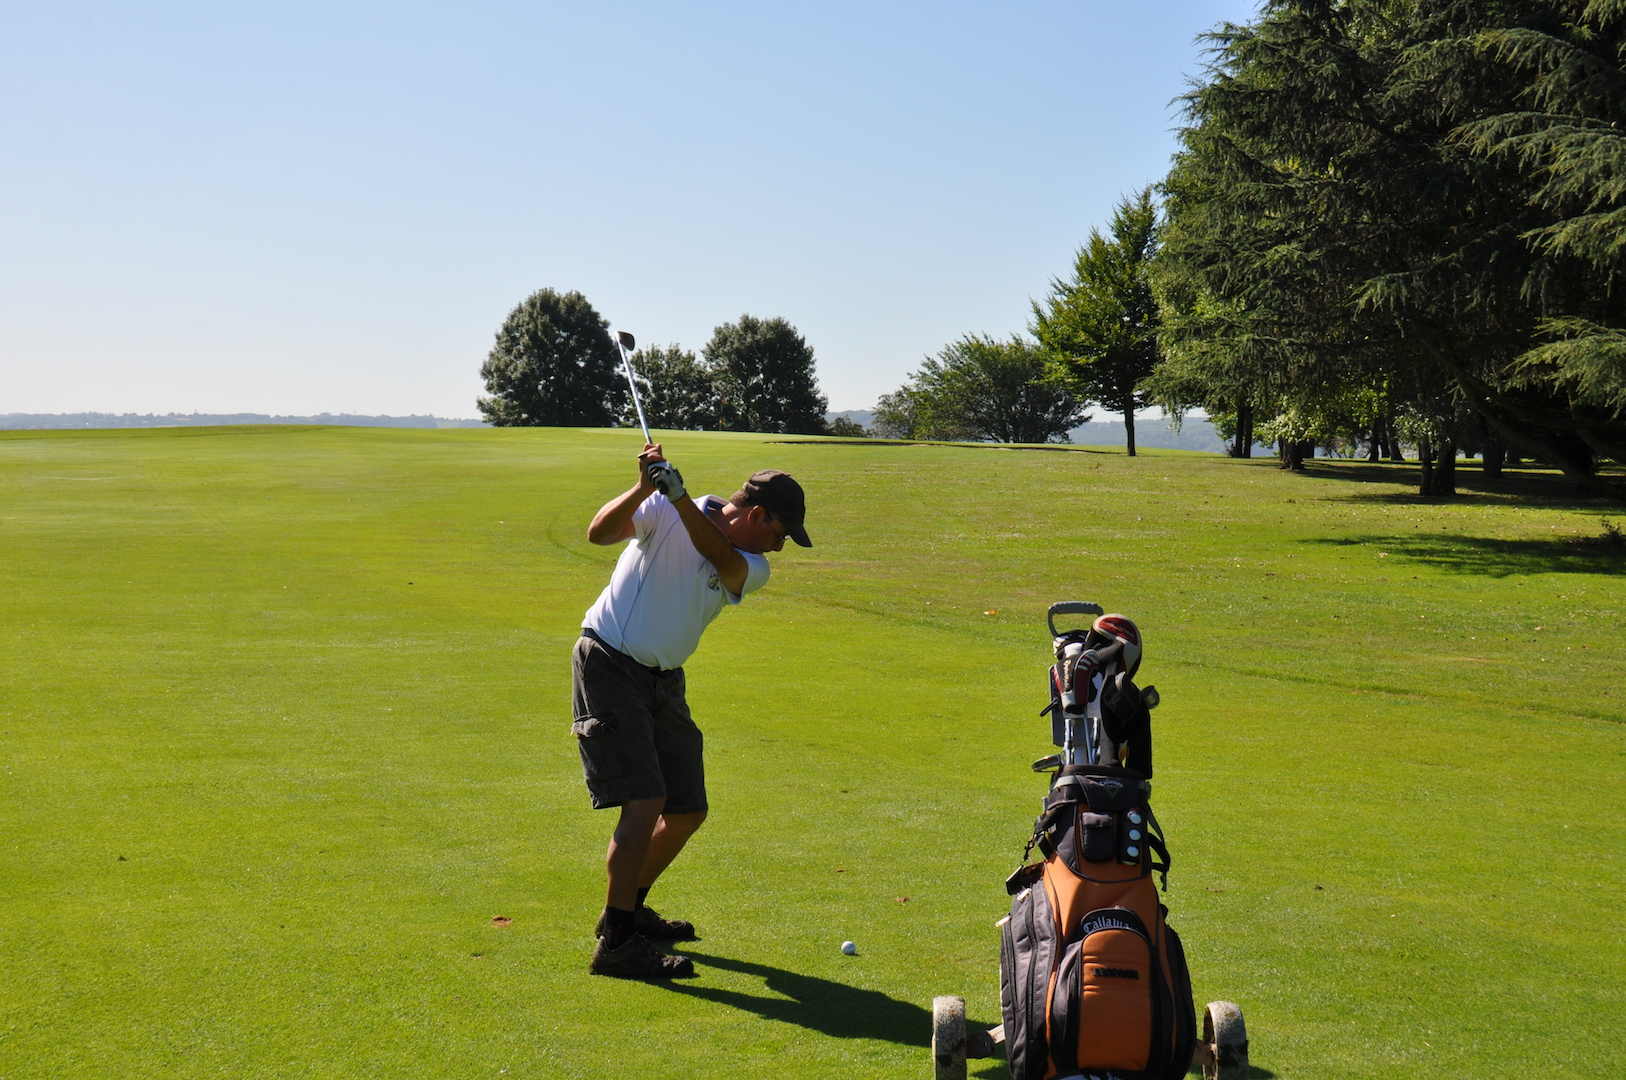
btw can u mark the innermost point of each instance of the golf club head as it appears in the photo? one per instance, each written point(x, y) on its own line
point(626, 341)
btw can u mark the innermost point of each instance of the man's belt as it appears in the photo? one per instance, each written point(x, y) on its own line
point(591, 635)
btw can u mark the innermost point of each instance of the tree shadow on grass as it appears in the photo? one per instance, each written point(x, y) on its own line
point(1533, 485)
point(1494, 557)
point(822, 1005)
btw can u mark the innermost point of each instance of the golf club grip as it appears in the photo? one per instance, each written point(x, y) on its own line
point(1072, 607)
point(1107, 655)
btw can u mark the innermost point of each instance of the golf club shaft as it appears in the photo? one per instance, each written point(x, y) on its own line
point(632, 384)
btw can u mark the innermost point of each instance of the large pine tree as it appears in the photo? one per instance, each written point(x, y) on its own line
point(1100, 325)
point(1389, 204)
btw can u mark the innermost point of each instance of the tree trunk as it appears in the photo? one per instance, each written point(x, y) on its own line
point(1445, 470)
point(1389, 437)
point(1493, 453)
point(1575, 453)
point(1129, 428)
point(1425, 458)
point(1374, 449)
point(1242, 447)
point(1292, 454)
point(1523, 442)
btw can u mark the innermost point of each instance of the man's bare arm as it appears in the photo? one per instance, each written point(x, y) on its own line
point(613, 522)
point(713, 546)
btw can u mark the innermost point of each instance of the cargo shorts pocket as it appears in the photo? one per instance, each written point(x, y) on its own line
point(599, 741)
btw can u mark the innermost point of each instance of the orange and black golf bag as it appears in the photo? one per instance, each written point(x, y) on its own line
point(1093, 980)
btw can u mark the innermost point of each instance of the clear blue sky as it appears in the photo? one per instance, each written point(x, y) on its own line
point(298, 208)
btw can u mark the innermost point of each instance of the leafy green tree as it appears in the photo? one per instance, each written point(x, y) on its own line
point(982, 389)
point(1254, 312)
point(763, 373)
point(677, 390)
point(1567, 139)
point(848, 428)
point(1100, 325)
point(1415, 201)
point(553, 365)
point(900, 415)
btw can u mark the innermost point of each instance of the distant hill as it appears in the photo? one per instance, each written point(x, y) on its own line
point(38, 421)
point(862, 417)
point(1196, 433)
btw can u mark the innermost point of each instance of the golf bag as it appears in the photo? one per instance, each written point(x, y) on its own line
point(1093, 980)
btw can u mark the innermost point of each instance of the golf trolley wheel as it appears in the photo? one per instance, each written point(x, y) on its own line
point(1223, 1050)
point(948, 1038)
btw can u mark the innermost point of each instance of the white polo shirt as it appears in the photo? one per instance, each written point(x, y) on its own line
point(664, 593)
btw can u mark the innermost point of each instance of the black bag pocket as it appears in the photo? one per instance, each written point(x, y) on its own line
point(1099, 839)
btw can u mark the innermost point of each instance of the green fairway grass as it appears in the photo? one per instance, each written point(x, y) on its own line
point(284, 723)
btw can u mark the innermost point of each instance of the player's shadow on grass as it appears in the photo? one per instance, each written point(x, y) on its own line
point(1491, 556)
point(825, 1006)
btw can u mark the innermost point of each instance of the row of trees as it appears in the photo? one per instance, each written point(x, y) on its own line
point(1389, 223)
point(555, 364)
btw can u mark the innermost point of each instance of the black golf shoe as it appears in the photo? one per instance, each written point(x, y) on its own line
point(648, 922)
point(638, 959)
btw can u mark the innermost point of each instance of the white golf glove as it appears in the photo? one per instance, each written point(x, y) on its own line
point(667, 480)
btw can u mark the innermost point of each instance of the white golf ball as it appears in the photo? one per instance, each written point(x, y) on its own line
point(849, 948)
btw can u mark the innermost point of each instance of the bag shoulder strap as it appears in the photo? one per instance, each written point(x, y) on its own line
point(1159, 846)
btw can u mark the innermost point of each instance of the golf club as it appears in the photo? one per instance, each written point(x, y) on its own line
point(624, 341)
point(1069, 647)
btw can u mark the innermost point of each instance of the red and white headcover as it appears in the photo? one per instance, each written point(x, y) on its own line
point(1121, 627)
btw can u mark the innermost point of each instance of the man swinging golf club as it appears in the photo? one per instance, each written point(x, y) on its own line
point(640, 749)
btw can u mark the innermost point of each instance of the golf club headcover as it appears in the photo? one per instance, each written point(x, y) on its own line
point(1082, 678)
point(667, 480)
point(1120, 705)
point(1139, 737)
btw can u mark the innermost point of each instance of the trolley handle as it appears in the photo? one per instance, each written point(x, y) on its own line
point(1071, 607)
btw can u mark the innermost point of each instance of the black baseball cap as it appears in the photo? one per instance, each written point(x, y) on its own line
point(781, 496)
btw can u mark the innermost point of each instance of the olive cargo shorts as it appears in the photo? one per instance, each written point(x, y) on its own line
point(633, 729)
